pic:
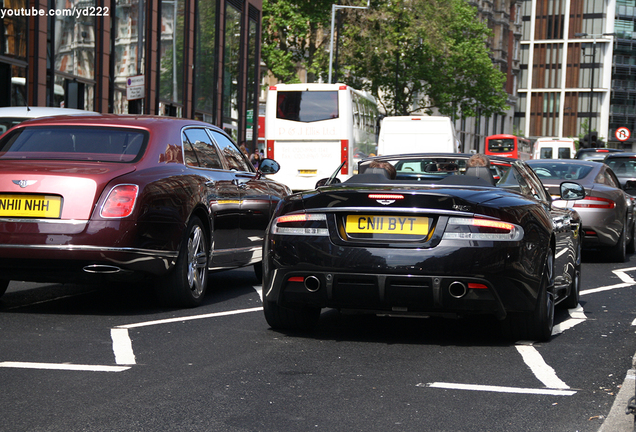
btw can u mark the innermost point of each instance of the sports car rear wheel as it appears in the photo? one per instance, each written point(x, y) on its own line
point(4, 284)
point(536, 325)
point(572, 300)
point(185, 286)
point(282, 318)
point(631, 244)
point(618, 252)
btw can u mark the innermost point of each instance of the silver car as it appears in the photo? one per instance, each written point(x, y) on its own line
point(607, 212)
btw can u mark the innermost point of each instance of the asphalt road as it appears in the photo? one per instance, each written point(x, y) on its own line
point(108, 358)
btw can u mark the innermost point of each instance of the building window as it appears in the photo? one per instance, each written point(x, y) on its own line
point(172, 51)
point(204, 60)
point(13, 49)
point(73, 43)
point(251, 125)
point(231, 69)
point(550, 19)
point(128, 50)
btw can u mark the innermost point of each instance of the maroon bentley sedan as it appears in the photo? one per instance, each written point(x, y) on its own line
point(111, 197)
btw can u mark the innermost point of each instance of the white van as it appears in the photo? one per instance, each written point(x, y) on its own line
point(554, 148)
point(417, 134)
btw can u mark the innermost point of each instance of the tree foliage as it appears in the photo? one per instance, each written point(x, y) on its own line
point(414, 55)
point(295, 36)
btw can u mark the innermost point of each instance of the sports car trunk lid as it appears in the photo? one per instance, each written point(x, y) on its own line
point(466, 199)
point(74, 186)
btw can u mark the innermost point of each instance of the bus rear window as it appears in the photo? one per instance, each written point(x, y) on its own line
point(307, 106)
point(501, 145)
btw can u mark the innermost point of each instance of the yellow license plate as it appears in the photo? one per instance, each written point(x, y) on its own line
point(387, 224)
point(43, 206)
point(307, 171)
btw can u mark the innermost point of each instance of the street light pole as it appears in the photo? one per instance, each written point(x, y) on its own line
point(334, 7)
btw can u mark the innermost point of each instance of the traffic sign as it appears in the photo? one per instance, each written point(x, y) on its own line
point(622, 134)
point(135, 87)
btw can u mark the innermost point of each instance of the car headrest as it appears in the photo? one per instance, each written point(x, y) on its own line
point(482, 173)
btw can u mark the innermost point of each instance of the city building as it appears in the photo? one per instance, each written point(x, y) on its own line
point(623, 94)
point(185, 58)
point(566, 68)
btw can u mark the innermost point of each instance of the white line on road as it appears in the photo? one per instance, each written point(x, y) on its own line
point(122, 346)
point(577, 316)
point(189, 318)
point(498, 389)
point(540, 368)
point(63, 366)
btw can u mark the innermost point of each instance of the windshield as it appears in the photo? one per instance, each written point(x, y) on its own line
point(307, 106)
point(622, 167)
point(74, 143)
point(561, 171)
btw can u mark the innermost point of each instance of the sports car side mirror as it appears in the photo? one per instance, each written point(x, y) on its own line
point(572, 191)
point(269, 166)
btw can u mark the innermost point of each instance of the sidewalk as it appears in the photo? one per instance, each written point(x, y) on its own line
point(617, 420)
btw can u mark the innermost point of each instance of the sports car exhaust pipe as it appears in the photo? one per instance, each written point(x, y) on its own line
point(457, 289)
point(101, 269)
point(312, 283)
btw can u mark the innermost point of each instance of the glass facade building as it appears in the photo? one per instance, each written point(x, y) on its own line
point(186, 58)
point(566, 68)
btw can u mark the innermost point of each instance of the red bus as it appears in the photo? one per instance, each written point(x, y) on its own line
point(509, 146)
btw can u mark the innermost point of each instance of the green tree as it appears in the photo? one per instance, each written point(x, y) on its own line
point(296, 36)
point(423, 54)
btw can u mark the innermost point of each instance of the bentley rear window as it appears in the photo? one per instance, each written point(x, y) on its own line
point(74, 143)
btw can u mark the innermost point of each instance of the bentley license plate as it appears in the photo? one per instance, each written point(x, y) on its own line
point(387, 224)
point(43, 206)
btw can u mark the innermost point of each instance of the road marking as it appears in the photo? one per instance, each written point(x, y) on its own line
point(188, 318)
point(63, 366)
point(577, 316)
point(259, 290)
point(122, 346)
point(540, 368)
point(622, 275)
point(498, 389)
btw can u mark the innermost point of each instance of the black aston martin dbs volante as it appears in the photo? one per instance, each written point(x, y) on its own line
point(435, 237)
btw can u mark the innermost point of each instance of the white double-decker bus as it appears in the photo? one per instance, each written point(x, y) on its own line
point(310, 129)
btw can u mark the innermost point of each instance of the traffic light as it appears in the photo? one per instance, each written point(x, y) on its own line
point(593, 139)
point(585, 141)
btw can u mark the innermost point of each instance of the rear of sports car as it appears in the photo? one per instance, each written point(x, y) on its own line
point(410, 251)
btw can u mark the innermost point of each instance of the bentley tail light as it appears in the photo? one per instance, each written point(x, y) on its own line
point(120, 201)
point(481, 229)
point(301, 224)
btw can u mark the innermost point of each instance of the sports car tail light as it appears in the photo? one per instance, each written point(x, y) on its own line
point(120, 201)
point(595, 202)
point(301, 224)
point(481, 229)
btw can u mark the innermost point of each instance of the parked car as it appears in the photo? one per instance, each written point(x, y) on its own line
point(595, 154)
point(624, 166)
point(448, 243)
point(11, 116)
point(607, 211)
point(112, 197)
